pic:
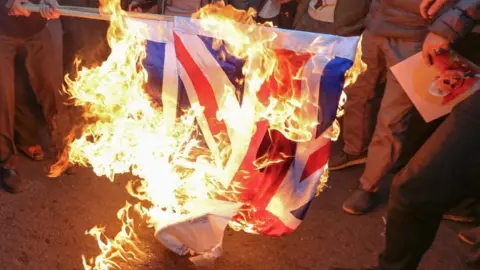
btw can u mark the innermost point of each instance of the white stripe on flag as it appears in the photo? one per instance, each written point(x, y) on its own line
point(223, 90)
point(293, 40)
point(202, 121)
point(170, 86)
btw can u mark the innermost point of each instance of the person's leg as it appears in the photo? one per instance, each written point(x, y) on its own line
point(28, 114)
point(44, 76)
point(389, 136)
point(358, 108)
point(393, 118)
point(8, 177)
point(437, 178)
point(83, 40)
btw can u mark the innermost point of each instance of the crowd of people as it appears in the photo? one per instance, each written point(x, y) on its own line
point(440, 171)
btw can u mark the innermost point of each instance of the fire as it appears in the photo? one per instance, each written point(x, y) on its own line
point(123, 131)
point(351, 77)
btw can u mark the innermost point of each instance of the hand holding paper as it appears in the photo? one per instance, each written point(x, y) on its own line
point(436, 89)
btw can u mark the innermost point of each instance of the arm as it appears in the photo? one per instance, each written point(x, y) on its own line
point(458, 21)
point(448, 28)
point(15, 8)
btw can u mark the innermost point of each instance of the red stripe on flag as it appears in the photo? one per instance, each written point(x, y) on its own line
point(316, 161)
point(205, 92)
point(269, 224)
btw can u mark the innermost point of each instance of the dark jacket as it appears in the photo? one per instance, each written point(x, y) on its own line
point(349, 15)
point(458, 21)
point(402, 18)
point(20, 26)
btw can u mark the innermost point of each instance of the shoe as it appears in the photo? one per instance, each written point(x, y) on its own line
point(459, 218)
point(464, 212)
point(35, 152)
point(360, 202)
point(471, 236)
point(11, 181)
point(342, 160)
point(473, 258)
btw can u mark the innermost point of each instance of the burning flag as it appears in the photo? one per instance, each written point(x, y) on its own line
point(307, 77)
point(208, 109)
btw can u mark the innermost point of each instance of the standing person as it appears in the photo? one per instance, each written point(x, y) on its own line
point(19, 32)
point(333, 17)
point(28, 114)
point(446, 168)
point(395, 31)
point(29, 120)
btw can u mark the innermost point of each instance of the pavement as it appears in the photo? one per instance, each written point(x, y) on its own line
point(44, 228)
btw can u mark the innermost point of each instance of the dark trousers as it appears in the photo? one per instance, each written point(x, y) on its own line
point(28, 113)
point(84, 40)
point(45, 84)
point(442, 173)
point(387, 141)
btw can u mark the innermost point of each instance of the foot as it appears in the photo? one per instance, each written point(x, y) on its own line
point(465, 212)
point(35, 152)
point(11, 181)
point(342, 160)
point(471, 236)
point(360, 202)
point(458, 217)
point(473, 258)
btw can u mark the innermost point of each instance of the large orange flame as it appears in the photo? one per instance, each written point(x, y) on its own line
point(123, 131)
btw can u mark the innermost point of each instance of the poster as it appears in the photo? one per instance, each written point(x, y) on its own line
point(436, 89)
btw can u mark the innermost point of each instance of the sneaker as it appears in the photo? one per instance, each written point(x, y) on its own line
point(360, 202)
point(473, 258)
point(11, 180)
point(471, 236)
point(342, 160)
point(464, 212)
point(459, 218)
point(34, 152)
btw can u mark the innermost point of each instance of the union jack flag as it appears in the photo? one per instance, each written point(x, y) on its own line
point(184, 68)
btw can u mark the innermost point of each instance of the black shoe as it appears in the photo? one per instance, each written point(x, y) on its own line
point(471, 236)
point(342, 160)
point(464, 212)
point(11, 181)
point(473, 258)
point(360, 202)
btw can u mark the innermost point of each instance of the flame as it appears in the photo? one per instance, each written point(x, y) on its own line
point(351, 76)
point(123, 131)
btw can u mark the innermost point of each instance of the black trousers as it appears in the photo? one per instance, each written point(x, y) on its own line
point(28, 113)
point(84, 40)
point(39, 52)
point(442, 173)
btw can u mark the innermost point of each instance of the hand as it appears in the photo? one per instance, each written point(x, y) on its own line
point(429, 8)
point(16, 8)
point(434, 45)
point(49, 9)
point(134, 6)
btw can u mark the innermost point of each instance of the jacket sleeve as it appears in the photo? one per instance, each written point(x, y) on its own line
point(457, 21)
